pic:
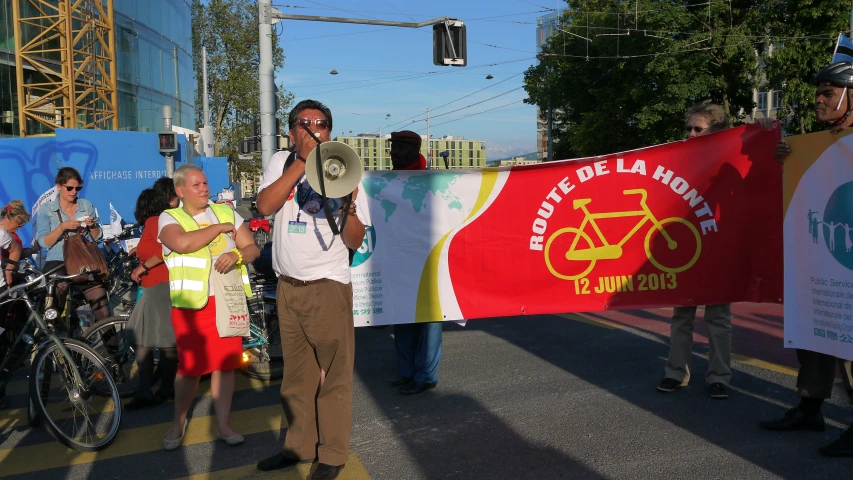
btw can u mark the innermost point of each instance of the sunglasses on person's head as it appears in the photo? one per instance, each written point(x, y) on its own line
point(69, 188)
point(691, 128)
point(321, 123)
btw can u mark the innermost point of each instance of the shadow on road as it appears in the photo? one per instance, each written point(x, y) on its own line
point(442, 434)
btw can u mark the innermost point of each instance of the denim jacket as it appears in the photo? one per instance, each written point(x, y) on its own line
point(47, 221)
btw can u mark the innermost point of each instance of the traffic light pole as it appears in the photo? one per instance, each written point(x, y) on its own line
point(267, 17)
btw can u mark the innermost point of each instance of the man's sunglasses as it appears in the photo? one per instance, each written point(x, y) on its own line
point(68, 188)
point(321, 123)
point(695, 129)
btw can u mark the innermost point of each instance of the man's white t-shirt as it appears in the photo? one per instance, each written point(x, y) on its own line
point(317, 253)
point(5, 241)
point(221, 244)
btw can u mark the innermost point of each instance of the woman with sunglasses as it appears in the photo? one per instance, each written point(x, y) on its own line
point(12, 217)
point(69, 214)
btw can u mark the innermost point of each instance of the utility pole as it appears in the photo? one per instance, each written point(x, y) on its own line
point(550, 133)
point(167, 126)
point(266, 80)
point(429, 144)
point(267, 15)
point(206, 129)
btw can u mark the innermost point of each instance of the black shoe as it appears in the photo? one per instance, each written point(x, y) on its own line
point(668, 385)
point(795, 419)
point(843, 447)
point(277, 462)
point(415, 388)
point(400, 382)
point(138, 403)
point(4, 404)
point(718, 391)
point(326, 472)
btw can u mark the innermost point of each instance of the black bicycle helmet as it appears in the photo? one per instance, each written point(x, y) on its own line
point(839, 74)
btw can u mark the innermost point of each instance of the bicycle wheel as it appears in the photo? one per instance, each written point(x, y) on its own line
point(570, 241)
point(677, 254)
point(114, 342)
point(84, 417)
point(259, 369)
point(264, 316)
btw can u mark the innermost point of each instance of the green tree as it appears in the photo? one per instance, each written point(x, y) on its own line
point(804, 36)
point(229, 30)
point(620, 75)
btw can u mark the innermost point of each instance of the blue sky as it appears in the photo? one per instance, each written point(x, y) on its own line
point(385, 70)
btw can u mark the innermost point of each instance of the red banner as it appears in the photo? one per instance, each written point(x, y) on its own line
point(693, 222)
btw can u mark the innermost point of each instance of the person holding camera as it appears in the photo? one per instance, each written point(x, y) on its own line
point(68, 214)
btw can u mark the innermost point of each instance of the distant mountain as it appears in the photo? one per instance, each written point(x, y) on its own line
point(495, 150)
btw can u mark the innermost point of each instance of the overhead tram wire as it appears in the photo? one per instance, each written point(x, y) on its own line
point(413, 77)
point(453, 101)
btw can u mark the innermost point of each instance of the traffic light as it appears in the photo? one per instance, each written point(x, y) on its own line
point(167, 142)
point(250, 145)
point(449, 44)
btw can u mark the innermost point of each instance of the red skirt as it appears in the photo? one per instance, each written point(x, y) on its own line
point(200, 348)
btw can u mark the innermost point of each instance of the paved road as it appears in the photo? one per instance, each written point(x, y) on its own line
point(534, 397)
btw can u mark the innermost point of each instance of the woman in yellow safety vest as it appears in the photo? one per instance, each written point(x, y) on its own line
point(199, 238)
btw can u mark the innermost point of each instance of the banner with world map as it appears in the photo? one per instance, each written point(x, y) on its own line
point(818, 209)
point(692, 222)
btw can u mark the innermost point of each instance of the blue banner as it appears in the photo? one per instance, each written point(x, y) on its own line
point(116, 166)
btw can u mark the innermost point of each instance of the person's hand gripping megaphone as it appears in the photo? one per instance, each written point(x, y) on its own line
point(309, 133)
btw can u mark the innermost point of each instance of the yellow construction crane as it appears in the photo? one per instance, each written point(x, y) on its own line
point(71, 46)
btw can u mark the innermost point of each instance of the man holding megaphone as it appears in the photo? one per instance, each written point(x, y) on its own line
point(314, 231)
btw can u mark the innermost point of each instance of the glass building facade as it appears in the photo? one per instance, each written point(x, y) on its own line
point(153, 62)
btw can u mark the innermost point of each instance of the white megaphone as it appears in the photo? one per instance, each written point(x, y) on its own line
point(340, 166)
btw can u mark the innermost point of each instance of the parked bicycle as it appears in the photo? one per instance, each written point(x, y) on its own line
point(261, 229)
point(71, 388)
point(262, 352)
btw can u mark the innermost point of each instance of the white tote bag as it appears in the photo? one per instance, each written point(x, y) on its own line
point(232, 311)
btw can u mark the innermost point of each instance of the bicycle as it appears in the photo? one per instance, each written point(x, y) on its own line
point(608, 251)
point(260, 228)
point(262, 348)
point(121, 263)
point(73, 391)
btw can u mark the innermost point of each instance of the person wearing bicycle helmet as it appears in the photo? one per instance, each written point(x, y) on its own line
point(701, 119)
point(816, 377)
point(833, 104)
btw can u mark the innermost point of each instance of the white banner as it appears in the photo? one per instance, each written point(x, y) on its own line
point(818, 233)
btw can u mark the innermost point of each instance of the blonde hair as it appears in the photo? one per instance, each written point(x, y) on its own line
point(182, 171)
point(15, 211)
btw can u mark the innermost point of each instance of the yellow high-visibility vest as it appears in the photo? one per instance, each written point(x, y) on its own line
point(189, 273)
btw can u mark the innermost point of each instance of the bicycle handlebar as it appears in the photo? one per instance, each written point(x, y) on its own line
point(42, 276)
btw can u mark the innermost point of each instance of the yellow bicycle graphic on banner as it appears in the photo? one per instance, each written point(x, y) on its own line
point(607, 251)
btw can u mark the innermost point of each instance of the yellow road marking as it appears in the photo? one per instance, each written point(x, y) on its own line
point(18, 416)
point(135, 441)
point(590, 321)
point(775, 367)
point(353, 470)
point(765, 365)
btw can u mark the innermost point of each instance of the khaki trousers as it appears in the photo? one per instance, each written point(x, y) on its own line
point(719, 320)
point(817, 375)
point(317, 332)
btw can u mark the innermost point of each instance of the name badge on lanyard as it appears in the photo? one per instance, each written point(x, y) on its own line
point(295, 226)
